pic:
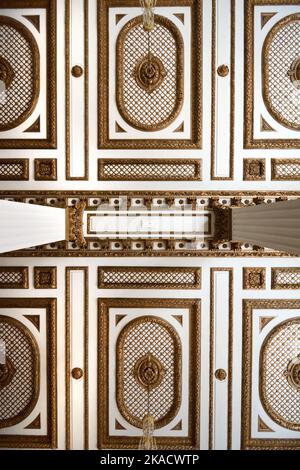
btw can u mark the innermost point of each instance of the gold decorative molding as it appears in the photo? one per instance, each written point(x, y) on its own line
point(35, 127)
point(149, 278)
point(22, 364)
point(68, 371)
point(180, 16)
point(247, 441)
point(35, 424)
point(168, 396)
point(285, 169)
point(220, 373)
point(254, 169)
point(45, 277)
point(74, 224)
point(254, 278)
point(35, 320)
point(262, 426)
point(276, 110)
point(263, 321)
point(265, 126)
point(105, 440)
point(51, 105)
point(20, 88)
point(14, 277)
point(249, 141)
point(35, 20)
point(150, 80)
point(222, 223)
point(214, 68)
point(14, 169)
point(104, 140)
point(119, 129)
point(279, 367)
point(285, 278)
point(45, 169)
point(149, 170)
point(49, 439)
point(265, 17)
point(96, 247)
point(77, 71)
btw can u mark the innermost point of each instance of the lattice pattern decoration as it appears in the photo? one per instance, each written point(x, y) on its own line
point(150, 170)
point(144, 338)
point(283, 50)
point(16, 99)
point(11, 169)
point(286, 278)
point(143, 108)
point(149, 277)
point(286, 169)
point(13, 277)
point(19, 393)
point(281, 400)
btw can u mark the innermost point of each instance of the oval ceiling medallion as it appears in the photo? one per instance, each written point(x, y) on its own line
point(281, 72)
point(19, 376)
point(19, 73)
point(149, 75)
point(148, 377)
point(280, 374)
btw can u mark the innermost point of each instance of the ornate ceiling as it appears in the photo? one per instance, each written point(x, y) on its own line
point(213, 124)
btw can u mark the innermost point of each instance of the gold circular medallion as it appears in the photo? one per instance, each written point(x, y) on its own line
point(77, 373)
point(220, 374)
point(77, 71)
point(149, 372)
point(149, 73)
point(223, 70)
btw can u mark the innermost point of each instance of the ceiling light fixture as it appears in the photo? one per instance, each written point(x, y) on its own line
point(148, 14)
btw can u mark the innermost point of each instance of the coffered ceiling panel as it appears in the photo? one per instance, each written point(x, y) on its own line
point(125, 129)
point(144, 105)
point(161, 339)
point(28, 74)
point(28, 375)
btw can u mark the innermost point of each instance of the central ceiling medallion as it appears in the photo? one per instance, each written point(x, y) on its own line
point(149, 73)
point(149, 372)
point(7, 371)
point(293, 373)
point(294, 73)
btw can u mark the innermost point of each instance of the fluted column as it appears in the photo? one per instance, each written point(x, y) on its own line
point(274, 225)
point(27, 225)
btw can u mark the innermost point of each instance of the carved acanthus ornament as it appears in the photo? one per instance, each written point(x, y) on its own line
point(74, 224)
